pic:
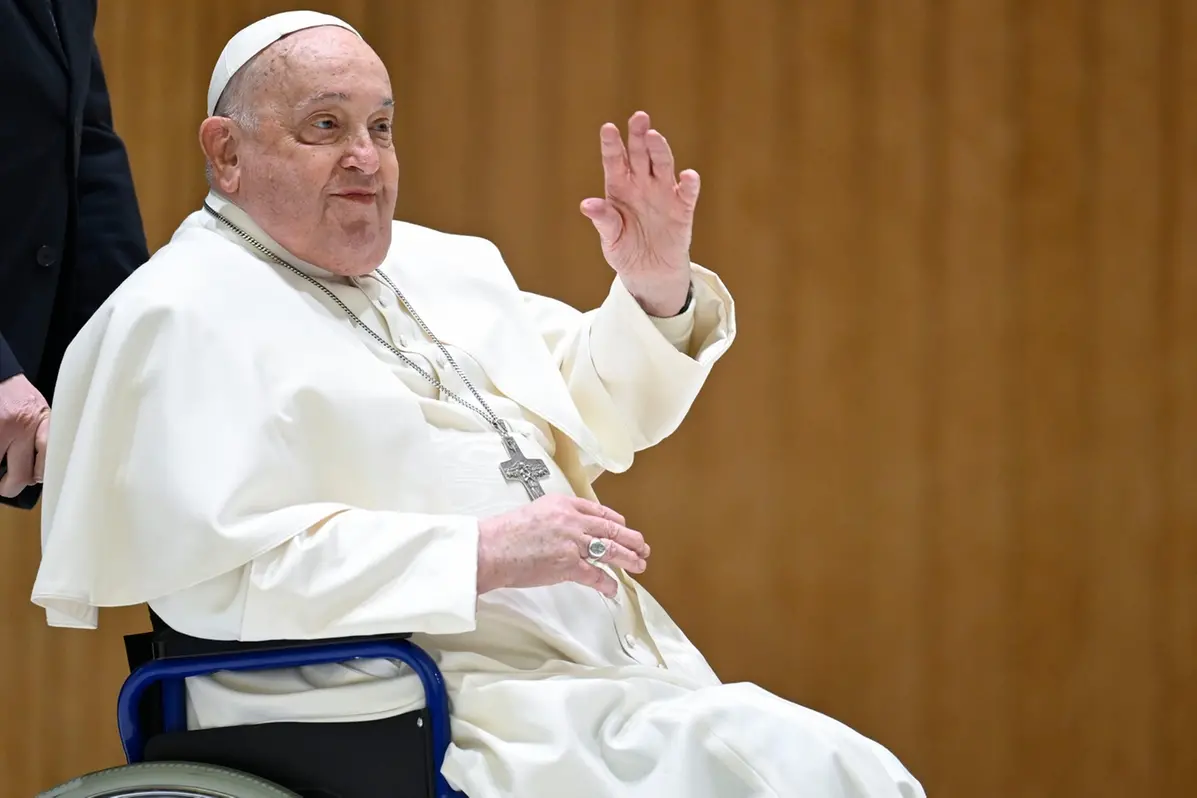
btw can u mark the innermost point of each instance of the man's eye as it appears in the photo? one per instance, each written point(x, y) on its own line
point(383, 126)
point(325, 124)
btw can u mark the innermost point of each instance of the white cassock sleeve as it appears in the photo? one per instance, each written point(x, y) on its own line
point(178, 455)
point(364, 573)
point(634, 377)
point(351, 575)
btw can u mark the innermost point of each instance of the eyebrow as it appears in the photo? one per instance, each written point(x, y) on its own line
point(389, 102)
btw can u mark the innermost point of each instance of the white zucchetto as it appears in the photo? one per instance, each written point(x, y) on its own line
point(255, 38)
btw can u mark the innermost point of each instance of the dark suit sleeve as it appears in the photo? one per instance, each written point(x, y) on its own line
point(111, 239)
point(9, 367)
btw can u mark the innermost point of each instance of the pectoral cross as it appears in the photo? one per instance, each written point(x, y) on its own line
point(520, 469)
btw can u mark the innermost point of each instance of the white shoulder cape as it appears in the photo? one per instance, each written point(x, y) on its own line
point(216, 406)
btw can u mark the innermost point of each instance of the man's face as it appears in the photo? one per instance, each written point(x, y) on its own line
point(318, 170)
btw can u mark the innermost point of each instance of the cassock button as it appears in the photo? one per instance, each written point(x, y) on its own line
point(630, 640)
point(385, 301)
point(440, 361)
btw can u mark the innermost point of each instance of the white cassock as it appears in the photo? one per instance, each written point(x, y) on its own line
point(227, 447)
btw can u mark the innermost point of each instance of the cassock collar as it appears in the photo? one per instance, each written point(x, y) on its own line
point(233, 212)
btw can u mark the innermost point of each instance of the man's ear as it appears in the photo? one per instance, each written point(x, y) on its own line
point(220, 140)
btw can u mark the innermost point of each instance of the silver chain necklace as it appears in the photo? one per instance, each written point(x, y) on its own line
point(516, 468)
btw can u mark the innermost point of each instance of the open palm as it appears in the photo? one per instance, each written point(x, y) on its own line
point(646, 220)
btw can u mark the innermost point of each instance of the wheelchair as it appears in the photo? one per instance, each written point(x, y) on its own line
point(269, 760)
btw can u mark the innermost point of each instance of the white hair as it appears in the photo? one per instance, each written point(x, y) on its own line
point(236, 103)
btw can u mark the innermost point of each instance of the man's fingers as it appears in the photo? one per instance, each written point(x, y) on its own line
point(23, 411)
point(20, 460)
point(638, 159)
point(594, 508)
point(607, 220)
point(619, 556)
point(41, 440)
point(615, 157)
point(603, 522)
point(688, 186)
point(661, 157)
point(600, 580)
point(617, 533)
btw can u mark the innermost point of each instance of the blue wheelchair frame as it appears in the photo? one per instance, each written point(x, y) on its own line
point(171, 671)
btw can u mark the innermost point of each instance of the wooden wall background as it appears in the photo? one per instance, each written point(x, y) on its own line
point(945, 486)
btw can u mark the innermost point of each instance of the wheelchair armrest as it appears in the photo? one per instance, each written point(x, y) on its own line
point(174, 645)
point(179, 666)
point(166, 642)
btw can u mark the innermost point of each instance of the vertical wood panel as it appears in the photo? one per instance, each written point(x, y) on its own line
point(20, 676)
point(1054, 289)
point(971, 526)
point(823, 120)
point(433, 63)
point(508, 93)
point(1120, 645)
point(582, 91)
point(898, 224)
point(945, 486)
point(1177, 693)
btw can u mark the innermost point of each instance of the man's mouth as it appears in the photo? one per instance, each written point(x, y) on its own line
point(360, 195)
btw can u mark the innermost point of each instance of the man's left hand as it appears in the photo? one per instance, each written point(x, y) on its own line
point(646, 220)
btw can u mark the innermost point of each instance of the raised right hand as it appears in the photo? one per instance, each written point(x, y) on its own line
point(24, 426)
point(544, 543)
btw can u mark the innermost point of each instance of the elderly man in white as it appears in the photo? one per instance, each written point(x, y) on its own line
point(302, 419)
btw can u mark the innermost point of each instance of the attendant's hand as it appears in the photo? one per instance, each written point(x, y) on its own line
point(24, 427)
point(646, 220)
point(545, 542)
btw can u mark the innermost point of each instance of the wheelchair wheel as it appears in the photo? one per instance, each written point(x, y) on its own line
point(168, 780)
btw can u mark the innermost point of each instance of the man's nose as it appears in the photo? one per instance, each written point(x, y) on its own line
point(361, 154)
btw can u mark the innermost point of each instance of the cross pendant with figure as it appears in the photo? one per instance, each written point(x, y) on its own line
point(520, 469)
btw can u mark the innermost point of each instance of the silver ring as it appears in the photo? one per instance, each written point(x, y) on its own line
point(597, 550)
